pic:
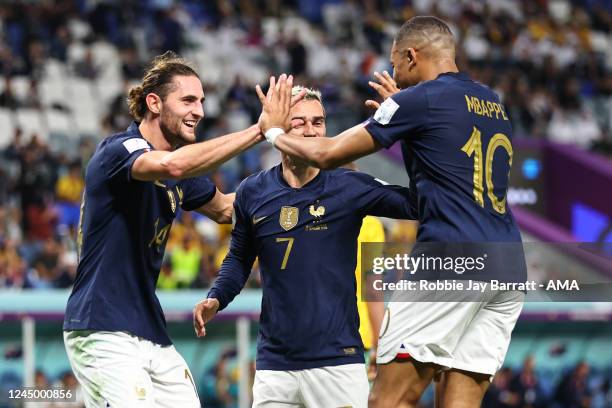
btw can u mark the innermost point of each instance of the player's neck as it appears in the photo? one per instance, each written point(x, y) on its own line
point(153, 134)
point(298, 175)
point(440, 66)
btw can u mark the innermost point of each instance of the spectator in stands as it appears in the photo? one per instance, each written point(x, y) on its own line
point(15, 147)
point(167, 280)
point(68, 191)
point(41, 382)
point(185, 261)
point(12, 266)
point(8, 99)
point(526, 387)
point(45, 268)
point(131, 67)
point(32, 98)
point(86, 67)
point(218, 383)
point(498, 394)
point(69, 382)
point(573, 390)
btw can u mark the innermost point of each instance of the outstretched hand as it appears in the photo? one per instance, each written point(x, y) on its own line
point(203, 312)
point(277, 103)
point(385, 88)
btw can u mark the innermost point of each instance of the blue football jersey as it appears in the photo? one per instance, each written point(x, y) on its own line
point(306, 242)
point(456, 144)
point(123, 232)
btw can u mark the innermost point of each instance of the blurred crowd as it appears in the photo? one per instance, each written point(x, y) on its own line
point(577, 387)
point(549, 60)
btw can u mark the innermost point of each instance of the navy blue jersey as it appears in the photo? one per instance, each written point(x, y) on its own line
point(123, 232)
point(306, 242)
point(456, 144)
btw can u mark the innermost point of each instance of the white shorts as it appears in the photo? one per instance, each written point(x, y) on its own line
point(333, 386)
point(116, 369)
point(471, 336)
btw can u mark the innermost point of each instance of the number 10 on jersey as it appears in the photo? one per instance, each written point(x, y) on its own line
point(473, 147)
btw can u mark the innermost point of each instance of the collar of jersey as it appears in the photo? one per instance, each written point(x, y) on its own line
point(462, 76)
point(316, 181)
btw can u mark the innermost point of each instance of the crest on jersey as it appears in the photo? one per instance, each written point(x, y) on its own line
point(317, 212)
point(288, 217)
point(172, 200)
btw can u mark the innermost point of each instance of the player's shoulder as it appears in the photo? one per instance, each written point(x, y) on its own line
point(256, 183)
point(128, 140)
point(344, 176)
point(411, 93)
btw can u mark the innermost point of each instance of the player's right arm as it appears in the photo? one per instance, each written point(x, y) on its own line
point(390, 123)
point(194, 159)
point(234, 272)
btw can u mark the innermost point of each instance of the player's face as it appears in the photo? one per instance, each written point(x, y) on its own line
point(182, 109)
point(405, 73)
point(308, 119)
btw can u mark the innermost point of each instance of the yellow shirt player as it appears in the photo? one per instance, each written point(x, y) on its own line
point(370, 313)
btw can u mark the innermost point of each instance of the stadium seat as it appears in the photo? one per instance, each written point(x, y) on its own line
point(53, 91)
point(58, 121)
point(76, 52)
point(559, 351)
point(105, 54)
point(55, 70)
point(107, 87)
point(8, 127)
point(21, 86)
point(31, 121)
point(51, 357)
point(597, 352)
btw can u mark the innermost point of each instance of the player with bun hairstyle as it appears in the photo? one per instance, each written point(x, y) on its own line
point(136, 182)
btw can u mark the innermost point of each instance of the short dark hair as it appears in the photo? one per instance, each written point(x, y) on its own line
point(421, 30)
point(158, 80)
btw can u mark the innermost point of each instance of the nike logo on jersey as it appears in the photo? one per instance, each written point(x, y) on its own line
point(259, 219)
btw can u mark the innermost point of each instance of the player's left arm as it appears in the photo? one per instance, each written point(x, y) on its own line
point(373, 196)
point(234, 272)
point(220, 208)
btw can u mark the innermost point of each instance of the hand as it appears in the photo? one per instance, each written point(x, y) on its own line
point(277, 103)
point(372, 367)
point(203, 312)
point(385, 88)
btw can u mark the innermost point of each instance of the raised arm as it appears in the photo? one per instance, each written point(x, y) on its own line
point(194, 159)
point(328, 153)
point(319, 152)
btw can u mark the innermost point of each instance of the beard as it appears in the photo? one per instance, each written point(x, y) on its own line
point(172, 129)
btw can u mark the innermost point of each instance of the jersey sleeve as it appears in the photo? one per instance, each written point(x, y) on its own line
point(377, 197)
point(399, 116)
point(237, 264)
point(197, 191)
point(119, 155)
